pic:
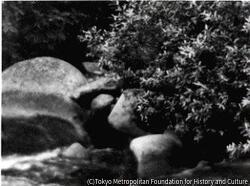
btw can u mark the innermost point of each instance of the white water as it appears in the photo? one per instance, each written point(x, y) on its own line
point(24, 162)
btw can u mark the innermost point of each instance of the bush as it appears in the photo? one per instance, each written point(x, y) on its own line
point(191, 58)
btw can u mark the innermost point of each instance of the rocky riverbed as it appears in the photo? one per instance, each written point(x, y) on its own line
point(52, 168)
point(60, 128)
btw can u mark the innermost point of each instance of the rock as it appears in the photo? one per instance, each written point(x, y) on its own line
point(76, 150)
point(156, 154)
point(43, 74)
point(102, 85)
point(33, 121)
point(92, 68)
point(37, 108)
point(102, 134)
point(102, 101)
point(122, 116)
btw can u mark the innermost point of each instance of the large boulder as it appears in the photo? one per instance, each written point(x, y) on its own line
point(156, 154)
point(43, 74)
point(122, 117)
point(37, 110)
point(33, 121)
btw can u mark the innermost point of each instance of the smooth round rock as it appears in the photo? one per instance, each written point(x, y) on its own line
point(156, 154)
point(76, 150)
point(43, 74)
point(102, 101)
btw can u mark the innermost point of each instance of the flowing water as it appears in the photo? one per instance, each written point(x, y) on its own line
point(50, 168)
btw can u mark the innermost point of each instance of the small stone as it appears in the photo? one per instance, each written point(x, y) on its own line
point(76, 150)
point(92, 68)
point(102, 101)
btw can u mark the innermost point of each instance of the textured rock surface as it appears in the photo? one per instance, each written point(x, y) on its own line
point(122, 116)
point(36, 121)
point(18, 103)
point(37, 111)
point(102, 85)
point(156, 154)
point(43, 74)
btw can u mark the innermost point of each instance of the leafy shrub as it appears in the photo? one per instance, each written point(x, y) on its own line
point(242, 149)
point(191, 58)
point(34, 28)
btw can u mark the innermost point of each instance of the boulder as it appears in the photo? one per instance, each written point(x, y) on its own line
point(76, 150)
point(43, 74)
point(92, 68)
point(37, 110)
point(102, 101)
point(33, 121)
point(156, 154)
point(122, 116)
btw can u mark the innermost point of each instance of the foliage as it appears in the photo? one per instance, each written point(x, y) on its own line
point(36, 28)
point(191, 58)
point(242, 149)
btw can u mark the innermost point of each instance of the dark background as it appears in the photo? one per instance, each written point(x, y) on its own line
point(32, 29)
